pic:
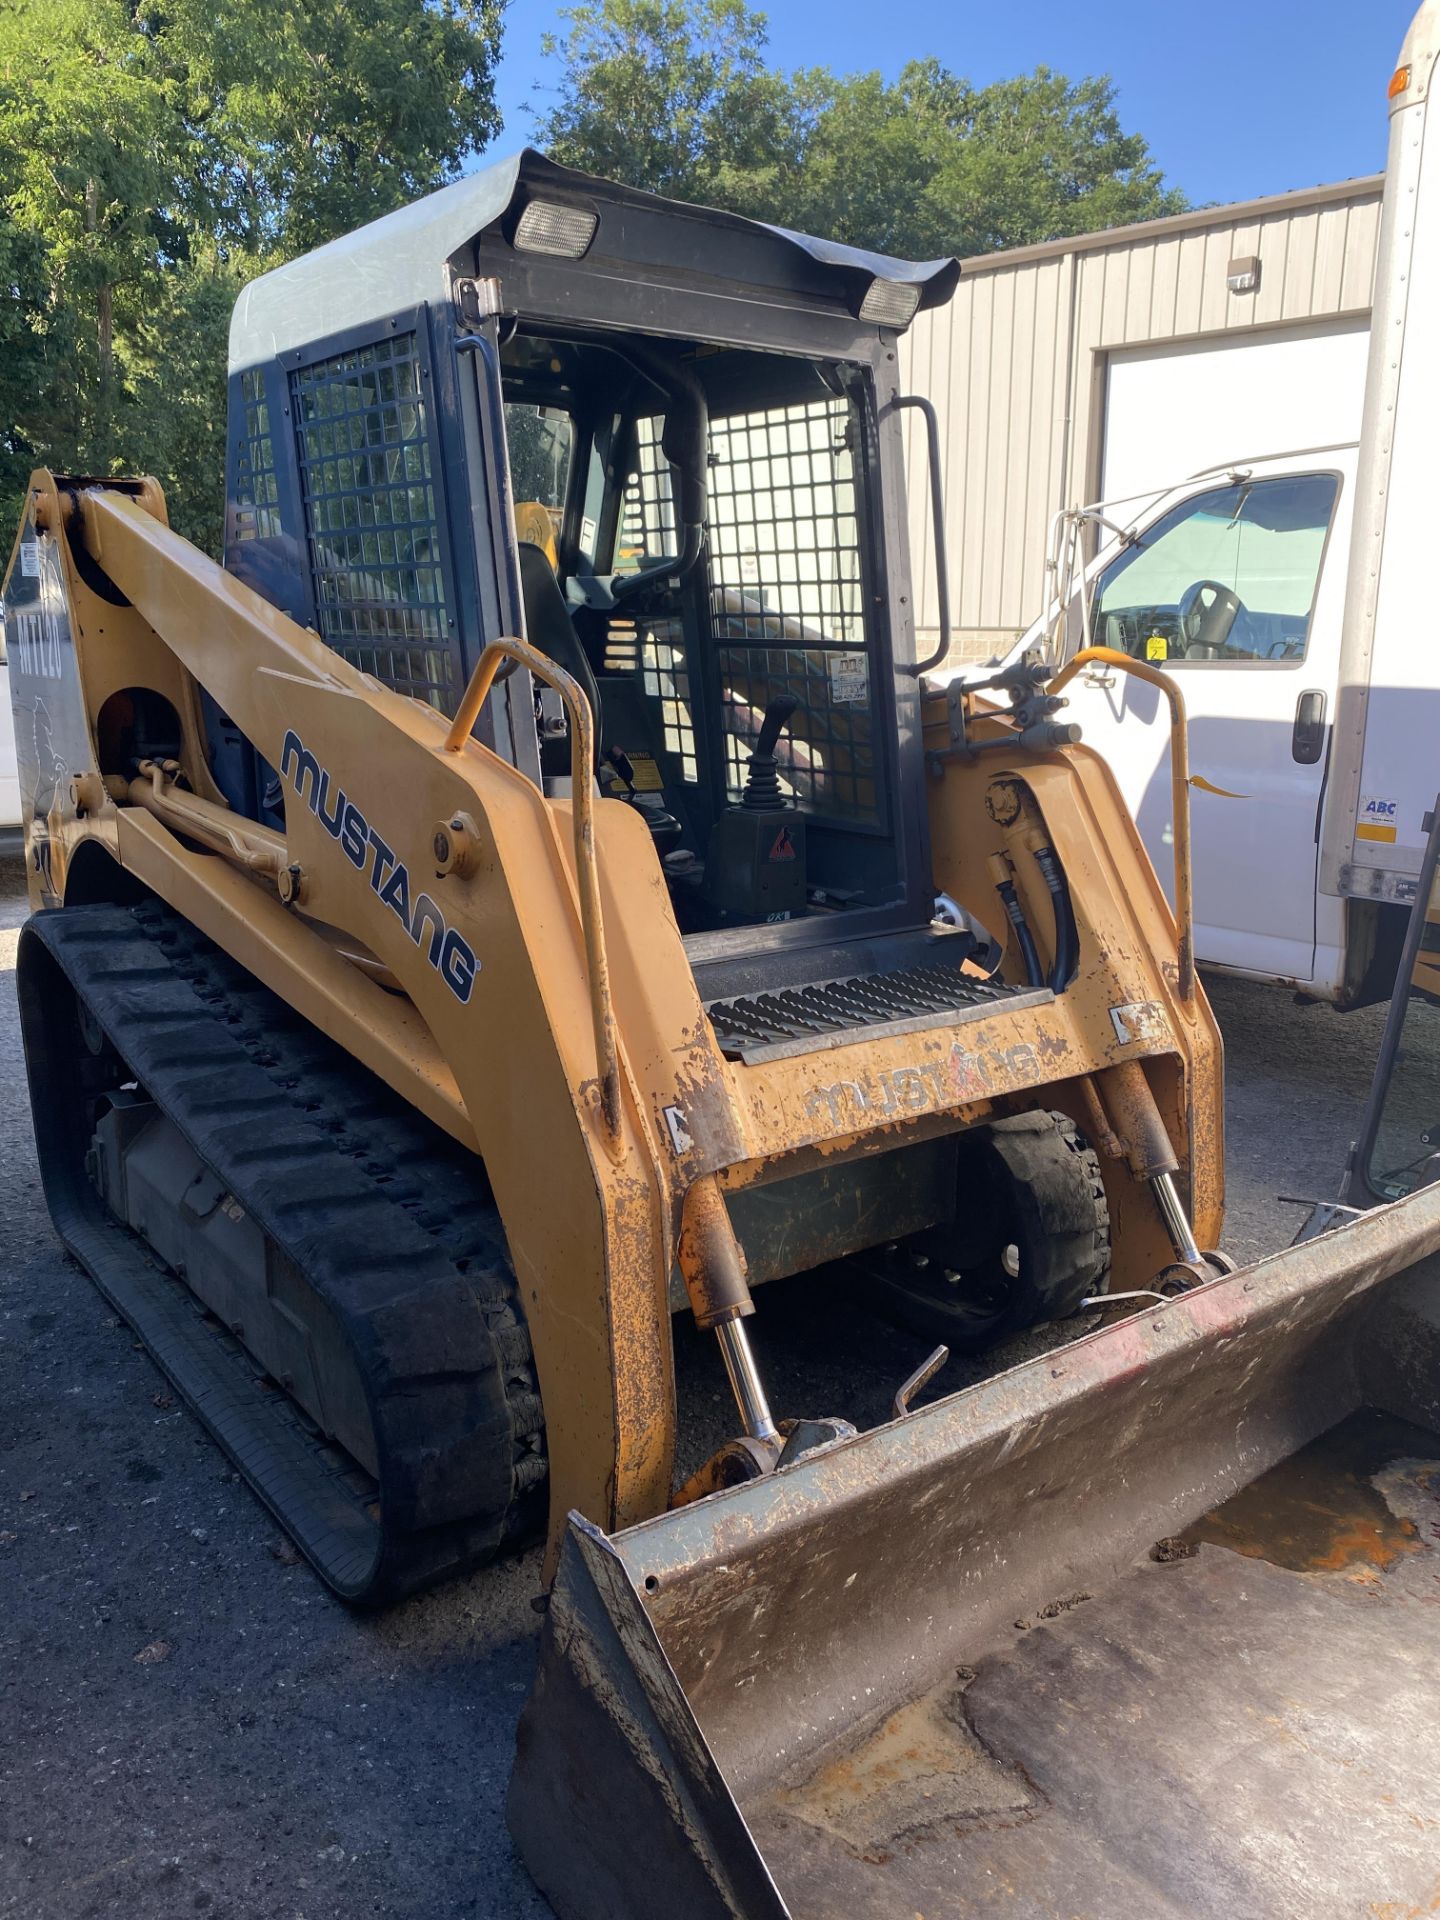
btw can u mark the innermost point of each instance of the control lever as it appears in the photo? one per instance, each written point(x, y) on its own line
point(762, 785)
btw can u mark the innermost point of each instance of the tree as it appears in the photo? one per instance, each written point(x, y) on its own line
point(934, 165)
point(674, 95)
point(155, 154)
point(320, 115)
point(84, 126)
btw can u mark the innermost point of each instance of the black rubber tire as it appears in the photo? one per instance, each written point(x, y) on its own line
point(1030, 1240)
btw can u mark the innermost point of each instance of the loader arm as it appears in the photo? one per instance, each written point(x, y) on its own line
point(497, 988)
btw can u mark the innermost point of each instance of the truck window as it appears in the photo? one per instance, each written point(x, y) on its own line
point(1228, 575)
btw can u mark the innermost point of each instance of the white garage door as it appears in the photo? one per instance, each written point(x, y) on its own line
point(1171, 411)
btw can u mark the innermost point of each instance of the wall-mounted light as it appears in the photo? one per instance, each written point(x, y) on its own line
point(1243, 275)
point(549, 226)
point(890, 303)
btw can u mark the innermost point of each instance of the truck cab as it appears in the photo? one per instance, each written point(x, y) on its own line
point(1234, 583)
point(1285, 596)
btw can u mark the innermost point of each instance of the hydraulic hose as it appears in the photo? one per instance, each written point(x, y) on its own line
point(1067, 934)
point(1015, 914)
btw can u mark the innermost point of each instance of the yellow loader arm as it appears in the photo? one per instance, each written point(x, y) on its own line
point(497, 994)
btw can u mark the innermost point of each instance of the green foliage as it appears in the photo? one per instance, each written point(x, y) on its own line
point(674, 95)
point(319, 115)
point(155, 154)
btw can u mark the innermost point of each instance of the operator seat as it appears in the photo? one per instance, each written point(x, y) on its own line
point(548, 625)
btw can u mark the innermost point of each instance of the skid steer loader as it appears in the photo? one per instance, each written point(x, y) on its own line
point(449, 962)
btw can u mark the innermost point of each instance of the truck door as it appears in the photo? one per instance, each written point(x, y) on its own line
point(1228, 590)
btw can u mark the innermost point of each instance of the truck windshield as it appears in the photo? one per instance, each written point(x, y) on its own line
point(1227, 575)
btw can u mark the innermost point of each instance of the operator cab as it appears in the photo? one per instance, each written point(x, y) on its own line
point(664, 444)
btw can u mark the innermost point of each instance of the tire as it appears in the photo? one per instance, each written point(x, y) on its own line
point(1030, 1239)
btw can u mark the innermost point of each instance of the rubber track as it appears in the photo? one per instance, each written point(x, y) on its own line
point(389, 1221)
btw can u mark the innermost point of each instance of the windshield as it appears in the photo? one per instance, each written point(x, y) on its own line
point(1229, 574)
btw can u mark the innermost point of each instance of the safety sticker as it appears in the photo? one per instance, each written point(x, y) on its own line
point(644, 774)
point(849, 679)
point(30, 559)
point(783, 847)
point(1377, 820)
point(1138, 1020)
point(1157, 647)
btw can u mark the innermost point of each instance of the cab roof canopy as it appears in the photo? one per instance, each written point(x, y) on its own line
point(413, 256)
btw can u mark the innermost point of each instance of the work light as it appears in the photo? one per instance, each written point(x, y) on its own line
point(889, 303)
point(548, 226)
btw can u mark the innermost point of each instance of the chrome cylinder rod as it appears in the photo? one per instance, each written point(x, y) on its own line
point(1177, 1224)
point(745, 1380)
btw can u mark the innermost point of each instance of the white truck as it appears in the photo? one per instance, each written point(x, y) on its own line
point(1292, 599)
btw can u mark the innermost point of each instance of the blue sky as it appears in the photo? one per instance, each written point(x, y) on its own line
point(1236, 97)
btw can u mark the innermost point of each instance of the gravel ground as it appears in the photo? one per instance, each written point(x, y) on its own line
point(194, 1727)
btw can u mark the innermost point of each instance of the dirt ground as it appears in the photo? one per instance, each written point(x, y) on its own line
point(192, 1726)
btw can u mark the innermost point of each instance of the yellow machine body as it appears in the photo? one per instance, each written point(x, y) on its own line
point(592, 1202)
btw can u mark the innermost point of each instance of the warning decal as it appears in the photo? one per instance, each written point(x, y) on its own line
point(783, 847)
point(644, 774)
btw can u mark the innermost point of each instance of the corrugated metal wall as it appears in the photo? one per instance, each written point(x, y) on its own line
point(1015, 365)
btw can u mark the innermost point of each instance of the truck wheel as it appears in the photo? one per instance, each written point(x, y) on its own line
point(1030, 1239)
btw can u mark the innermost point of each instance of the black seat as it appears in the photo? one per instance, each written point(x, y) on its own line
point(548, 625)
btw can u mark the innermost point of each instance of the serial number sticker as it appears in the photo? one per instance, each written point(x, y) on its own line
point(849, 679)
point(1138, 1020)
point(30, 559)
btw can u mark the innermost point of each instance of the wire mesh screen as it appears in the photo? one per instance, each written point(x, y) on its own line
point(786, 600)
point(370, 515)
point(256, 499)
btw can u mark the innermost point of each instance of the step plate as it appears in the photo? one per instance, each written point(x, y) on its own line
point(862, 1006)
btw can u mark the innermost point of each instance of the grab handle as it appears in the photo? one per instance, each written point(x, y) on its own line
point(1179, 789)
point(582, 802)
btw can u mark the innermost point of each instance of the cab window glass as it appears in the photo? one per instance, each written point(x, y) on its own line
point(1229, 575)
point(541, 442)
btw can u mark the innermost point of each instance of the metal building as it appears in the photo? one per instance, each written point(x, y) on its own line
point(1119, 362)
